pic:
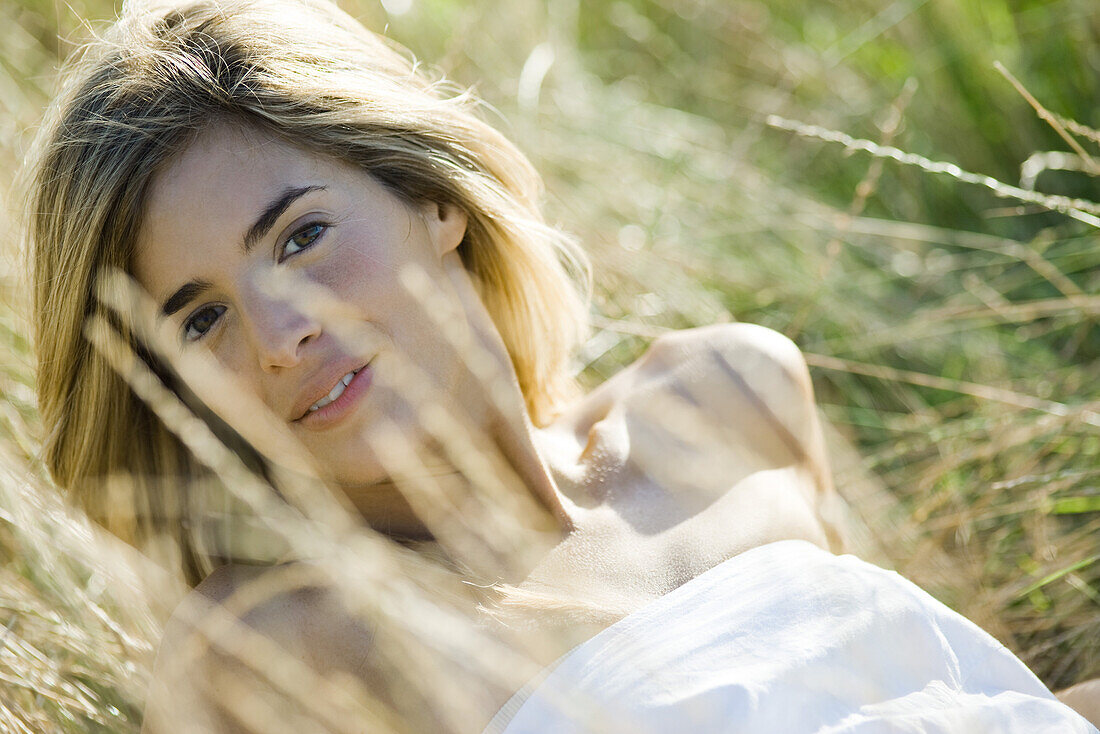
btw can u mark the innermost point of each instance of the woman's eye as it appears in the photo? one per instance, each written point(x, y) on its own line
point(302, 240)
point(201, 322)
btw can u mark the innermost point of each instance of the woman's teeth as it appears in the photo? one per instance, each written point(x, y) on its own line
point(336, 391)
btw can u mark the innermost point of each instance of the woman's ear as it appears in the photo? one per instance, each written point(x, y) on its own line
point(446, 226)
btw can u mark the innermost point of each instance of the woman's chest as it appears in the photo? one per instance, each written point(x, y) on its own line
point(647, 540)
point(662, 494)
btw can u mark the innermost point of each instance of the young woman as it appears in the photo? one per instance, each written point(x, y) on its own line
point(347, 276)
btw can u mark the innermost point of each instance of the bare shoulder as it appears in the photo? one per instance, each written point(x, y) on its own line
point(752, 350)
point(211, 598)
point(188, 655)
point(753, 386)
point(188, 615)
point(240, 622)
point(225, 580)
point(291, 605)
point(744, 359)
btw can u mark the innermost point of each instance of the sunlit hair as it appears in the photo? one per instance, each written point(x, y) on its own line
point(313, 76)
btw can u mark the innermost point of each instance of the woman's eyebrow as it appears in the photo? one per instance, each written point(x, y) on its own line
point(263, 224)
point(272, 212)
point(183, 295)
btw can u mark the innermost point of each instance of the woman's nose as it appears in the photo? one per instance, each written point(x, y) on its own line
point(281, 327)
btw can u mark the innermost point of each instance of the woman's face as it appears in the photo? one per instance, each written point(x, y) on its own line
point(247, 245)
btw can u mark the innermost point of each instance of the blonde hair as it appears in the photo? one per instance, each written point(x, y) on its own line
point(312, 75)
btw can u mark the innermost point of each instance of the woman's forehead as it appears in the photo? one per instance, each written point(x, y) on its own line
point(205, 208)
point(213, 191)
point(225, 161)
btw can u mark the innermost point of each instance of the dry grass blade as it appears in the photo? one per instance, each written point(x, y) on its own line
point(1079, 209)
point(1077, 128)
point(984, 392)
point(1049, 118)
point(1048, 160)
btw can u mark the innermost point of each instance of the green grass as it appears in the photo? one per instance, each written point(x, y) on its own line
point(952, 334)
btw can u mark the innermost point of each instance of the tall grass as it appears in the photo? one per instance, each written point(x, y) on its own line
point(952, 332)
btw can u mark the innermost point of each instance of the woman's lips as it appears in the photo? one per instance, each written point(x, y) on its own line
point(336, 391)
point(331, 409)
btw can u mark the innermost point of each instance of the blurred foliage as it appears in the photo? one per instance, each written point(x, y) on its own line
point(952, 334)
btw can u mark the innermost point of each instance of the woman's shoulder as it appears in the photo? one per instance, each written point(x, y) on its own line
point(241, 620)
point(732, 372)
point(749, 350)
point(726, 356)
point(748, 382)
point(736, 342)
point(276, 601)
point(226, 579)
point(232, 597)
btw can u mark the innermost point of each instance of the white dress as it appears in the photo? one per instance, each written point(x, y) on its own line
point(790, 638)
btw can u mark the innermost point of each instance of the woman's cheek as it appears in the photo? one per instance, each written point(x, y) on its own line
point(355, 277)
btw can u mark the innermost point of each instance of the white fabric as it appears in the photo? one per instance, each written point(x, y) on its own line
point(790, 638)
